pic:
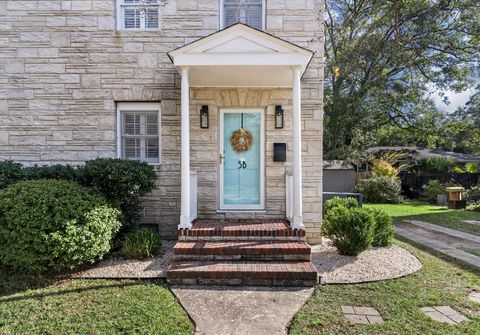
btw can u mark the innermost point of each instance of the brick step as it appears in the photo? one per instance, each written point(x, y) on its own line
point(241, 250)
point(257, 273)
point(227, 230)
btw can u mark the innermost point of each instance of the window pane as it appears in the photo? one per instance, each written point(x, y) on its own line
point(152, 124)
point(245, 11)
point(151, 148)
point(131, 148)
point(151, 18)
point(132, 18)
point(131, 124)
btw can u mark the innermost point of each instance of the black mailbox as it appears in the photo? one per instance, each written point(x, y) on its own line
point(279, 152)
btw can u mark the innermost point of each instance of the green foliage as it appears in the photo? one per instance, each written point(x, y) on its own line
point(141, 244)
point(384, 230)
point(381, 168)
point(348, 202)
point(432, 189)
point(473, 194)
point(469, 168)
point(10, 172)
point(54, 225)
point(402, 50)
point(436, 164)
point(121, 181)
point(350, 229)
point(380, 190)
point(475, 207)
point(58, 171)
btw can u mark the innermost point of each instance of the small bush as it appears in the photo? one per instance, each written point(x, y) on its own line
point(436, 164)
point(351, 230)
point(432, 189)
point(382, 168)
point(58, 171)
point(10, 172)
point(473, 194)
point(121, 181)
point(380, 190)
point(54, 225)
point(348, 202)
point(474, 207)
point(141, 244)
point(384, 228)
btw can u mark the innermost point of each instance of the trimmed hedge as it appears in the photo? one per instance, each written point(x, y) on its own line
point(10, 172)
point(384, 229)
point(348, 202)
point(380, 190)
point(350, 229)
point(54, 225)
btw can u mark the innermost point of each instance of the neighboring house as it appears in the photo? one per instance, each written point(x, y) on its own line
point(417, 153)
point(338, 177)
point(170, 82)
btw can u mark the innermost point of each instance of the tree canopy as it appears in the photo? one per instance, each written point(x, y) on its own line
point(385, 59)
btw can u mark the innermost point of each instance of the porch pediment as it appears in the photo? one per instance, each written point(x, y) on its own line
point(241, 56)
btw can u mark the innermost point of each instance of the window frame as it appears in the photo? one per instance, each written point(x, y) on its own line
point(222, 14)
point(120, 16)
point(139, 107)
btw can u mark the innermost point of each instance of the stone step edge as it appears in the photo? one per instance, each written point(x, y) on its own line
point(241, 238)
point(242, 232)
point(244, 248)
point(244, 282)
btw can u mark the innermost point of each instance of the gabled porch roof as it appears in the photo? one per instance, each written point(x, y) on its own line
point(241, 56)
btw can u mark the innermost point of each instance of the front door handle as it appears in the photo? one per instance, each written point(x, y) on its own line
point(222, 157)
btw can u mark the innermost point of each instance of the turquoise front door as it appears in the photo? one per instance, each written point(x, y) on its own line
point(242, 159)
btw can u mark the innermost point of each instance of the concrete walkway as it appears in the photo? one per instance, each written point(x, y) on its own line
point(241, 310)
point(445, 240)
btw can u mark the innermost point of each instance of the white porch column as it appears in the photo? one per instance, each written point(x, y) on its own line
point(185, 221)
point(297, 152)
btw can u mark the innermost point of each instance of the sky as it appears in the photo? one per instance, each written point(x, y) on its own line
point(456, 100)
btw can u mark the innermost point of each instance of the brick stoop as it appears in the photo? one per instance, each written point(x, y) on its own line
point(242, 252)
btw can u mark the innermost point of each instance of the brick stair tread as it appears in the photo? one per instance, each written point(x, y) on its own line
point(247, 227)
point(241, 248)
point(296, 270)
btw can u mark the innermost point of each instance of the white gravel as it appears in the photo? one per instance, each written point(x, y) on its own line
point(371, 265)
point(128, 268)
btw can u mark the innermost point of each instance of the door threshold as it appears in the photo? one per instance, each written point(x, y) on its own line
point(221, 211)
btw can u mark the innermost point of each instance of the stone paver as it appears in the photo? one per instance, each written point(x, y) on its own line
point(438, 239)
point(474, 222)
point(444, 314)
point(445, 230)
point(475, 297)
point(241, 310)
point(361, 314)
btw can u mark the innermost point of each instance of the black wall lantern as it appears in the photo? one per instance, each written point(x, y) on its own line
point(204, 117)
point(278, 117)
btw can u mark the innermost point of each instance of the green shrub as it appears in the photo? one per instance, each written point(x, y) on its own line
point(384, 228)
point(351, 230)
point(432, 189)
point(58, 171)
point(380, 190)
point(382, 168)
point(140, 244)
point(473, 194)
point(54, 225)
point(475, 206)
point(121, 181)
point(436, 164)
point(10, 172)
point(348, 202)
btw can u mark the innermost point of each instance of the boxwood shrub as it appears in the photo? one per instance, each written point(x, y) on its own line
point(54, 225)
point(336, 201)
point(381, 190)
point(350, 229)
point(10, 172)
point(384, 228)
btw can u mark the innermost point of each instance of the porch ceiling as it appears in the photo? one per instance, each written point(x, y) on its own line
point(241, 56)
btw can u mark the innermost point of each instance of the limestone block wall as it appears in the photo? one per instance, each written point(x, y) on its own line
point(63, 67)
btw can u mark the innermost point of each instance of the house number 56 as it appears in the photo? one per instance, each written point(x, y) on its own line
point(242, 165)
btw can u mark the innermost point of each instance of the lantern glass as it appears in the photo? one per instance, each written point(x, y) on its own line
point(204, 117)
point(278, 117)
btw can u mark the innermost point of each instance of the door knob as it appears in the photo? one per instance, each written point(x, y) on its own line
point(222, 157)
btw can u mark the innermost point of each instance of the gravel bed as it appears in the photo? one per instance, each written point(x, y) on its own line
point(128, 268)
point(371, 265)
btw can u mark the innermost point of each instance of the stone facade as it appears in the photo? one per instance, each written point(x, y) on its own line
point(64, 66)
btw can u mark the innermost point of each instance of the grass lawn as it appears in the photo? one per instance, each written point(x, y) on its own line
point(89, 307)
point(442, 216)
point(441, 282)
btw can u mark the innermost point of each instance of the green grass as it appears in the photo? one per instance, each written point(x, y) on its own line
point(440, 282)
point(438, 215)
point(89, 307)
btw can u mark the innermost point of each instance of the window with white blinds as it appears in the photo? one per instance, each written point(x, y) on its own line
point(139, 135)
point(138, 14)
point(250, 12)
